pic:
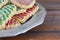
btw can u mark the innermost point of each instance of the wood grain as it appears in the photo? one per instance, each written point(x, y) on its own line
point(50, 4)
point(49, 30)
point(35, 36)
point(52, 22)
point(54, 1)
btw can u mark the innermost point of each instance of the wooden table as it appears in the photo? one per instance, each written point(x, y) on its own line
point(50, 29)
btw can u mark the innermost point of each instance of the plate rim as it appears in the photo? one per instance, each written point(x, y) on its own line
point(34, 25)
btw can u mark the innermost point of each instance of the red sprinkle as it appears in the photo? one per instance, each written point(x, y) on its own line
point(10, 22)
point(25, 14)
point(21, 15)
point(7, 23)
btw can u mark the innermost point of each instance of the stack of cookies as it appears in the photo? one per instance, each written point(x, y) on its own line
point(16, 12)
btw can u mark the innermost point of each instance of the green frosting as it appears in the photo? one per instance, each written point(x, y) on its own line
point(0, 21)
point(9, 10)
point(10, 7)
point(13, 6)
point(3, 1)
point(5, 12)
point(3, 15)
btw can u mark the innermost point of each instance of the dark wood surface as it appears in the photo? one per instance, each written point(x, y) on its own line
point(49, 30)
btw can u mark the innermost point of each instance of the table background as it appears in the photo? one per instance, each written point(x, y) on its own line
point(50, 29)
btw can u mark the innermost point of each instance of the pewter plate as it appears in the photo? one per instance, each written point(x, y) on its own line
point(36, 20)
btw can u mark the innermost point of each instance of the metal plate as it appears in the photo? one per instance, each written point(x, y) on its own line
point(36, 20)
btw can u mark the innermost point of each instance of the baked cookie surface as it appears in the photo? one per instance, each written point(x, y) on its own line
point(24, 3)
point(6, 13)
point(3, 2)
point(23, 17)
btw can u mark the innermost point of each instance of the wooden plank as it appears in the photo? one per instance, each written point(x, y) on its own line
point(52, 22)
point(48, 1)
point(51, 6)
point(35, 36)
